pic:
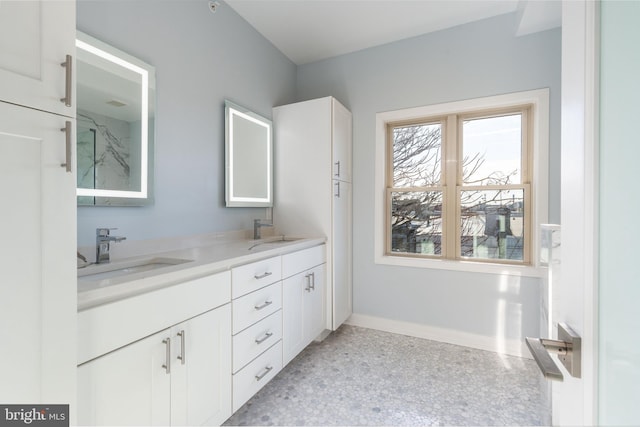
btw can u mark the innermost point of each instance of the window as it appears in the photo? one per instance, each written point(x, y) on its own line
point(459, 180)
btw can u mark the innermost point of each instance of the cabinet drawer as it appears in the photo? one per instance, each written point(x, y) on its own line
point(255, 306)
point(305, 259)
point(248, 278)
point(253, 341)
point(256, 374)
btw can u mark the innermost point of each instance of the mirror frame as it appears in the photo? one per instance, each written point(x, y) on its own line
point(147, 74)
point(233, 110)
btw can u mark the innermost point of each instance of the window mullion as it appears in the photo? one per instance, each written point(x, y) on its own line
point(450, 177)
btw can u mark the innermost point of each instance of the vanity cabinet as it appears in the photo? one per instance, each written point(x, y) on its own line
point(257, 326)
point(37, 309)
point(313, 145)
point(178, 376)
point(303, 299)
point(160, 358)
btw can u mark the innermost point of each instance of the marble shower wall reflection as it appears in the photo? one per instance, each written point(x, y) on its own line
point(108, 153)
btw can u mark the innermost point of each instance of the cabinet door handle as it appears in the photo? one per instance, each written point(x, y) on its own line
point(68, 83)
point(267, 369)
point(183, 350)
point(337, 168)
point(167, 365)
point(263, 305)
point(337, 193)
point(67, 147)
point(265, 337)
point(308, 277)
point(262, 276)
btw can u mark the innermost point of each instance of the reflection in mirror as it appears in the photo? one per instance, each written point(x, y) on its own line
point(115, 117)
point(248, 145)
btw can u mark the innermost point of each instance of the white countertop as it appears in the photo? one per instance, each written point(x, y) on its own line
point(200, 261)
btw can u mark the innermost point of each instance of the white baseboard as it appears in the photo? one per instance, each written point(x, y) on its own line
point(509, 347)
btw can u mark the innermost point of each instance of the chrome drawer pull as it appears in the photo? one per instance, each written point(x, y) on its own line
point(266, 371)
point(266, 336)
point(167, 365)
point(266, 274)
point(308, 277)
point(183, 350)
point(265, 304)
point(68, 81)
point(67, 148)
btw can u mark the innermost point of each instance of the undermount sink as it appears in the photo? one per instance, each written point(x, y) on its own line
point(273, 241)
point(108, 271)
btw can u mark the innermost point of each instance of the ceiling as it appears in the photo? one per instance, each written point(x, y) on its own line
point(311, 30)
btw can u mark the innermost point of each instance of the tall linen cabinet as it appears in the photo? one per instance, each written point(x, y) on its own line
point(38, 207)
point(312, 196)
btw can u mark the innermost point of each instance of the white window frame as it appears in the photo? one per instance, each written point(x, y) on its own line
point(539, 100)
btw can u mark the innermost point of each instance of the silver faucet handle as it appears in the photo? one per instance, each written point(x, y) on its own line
point(104, 231)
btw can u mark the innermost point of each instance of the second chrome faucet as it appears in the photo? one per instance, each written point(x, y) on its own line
point(257, 223)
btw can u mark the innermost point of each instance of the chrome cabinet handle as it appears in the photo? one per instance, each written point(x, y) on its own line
point(262, 276)
point(267, 369)
point(265, 337)
point(67, 81)
point(337, 168)
point(167, 365)
point(263, 305)
point(308, 277)
point(337, 193)
point(67, 147)
point(183, 350)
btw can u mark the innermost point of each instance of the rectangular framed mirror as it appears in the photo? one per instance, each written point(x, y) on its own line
point(115, 125)
point(248, 158)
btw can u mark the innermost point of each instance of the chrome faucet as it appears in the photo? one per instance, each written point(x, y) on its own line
point(102, 244)
point(257, 223)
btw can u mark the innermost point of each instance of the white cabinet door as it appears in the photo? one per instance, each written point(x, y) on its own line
point(35, 38)
point(129, 386)
point(293, 296)
point(38, 287)
point(201, 369)
point(341, 142)
point(341, 254)
point(303, 310)
point(314, 305)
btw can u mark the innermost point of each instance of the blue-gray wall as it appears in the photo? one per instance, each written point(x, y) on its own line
point(474, 60)
point(200, 58)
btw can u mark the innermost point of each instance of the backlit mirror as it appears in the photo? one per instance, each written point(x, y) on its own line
point(248, 148)
point(115, 122)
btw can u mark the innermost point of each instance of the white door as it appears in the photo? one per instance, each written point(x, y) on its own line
point(573, 400)
point(38, 288)
point(128, 387)
point(201, 369)
point(293, 298)
point(341, 291)
point(35, 39)
point(314, 304)
point(341, 141)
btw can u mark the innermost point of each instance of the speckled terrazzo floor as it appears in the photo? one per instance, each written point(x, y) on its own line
point(364, 377)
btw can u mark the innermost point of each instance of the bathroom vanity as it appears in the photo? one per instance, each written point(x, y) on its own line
point(187, 337)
